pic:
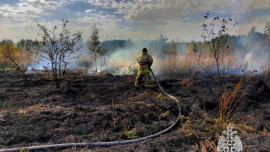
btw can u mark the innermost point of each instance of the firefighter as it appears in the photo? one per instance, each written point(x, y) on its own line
point(145, 61)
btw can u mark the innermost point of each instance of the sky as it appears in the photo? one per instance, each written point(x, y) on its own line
point(179, 20)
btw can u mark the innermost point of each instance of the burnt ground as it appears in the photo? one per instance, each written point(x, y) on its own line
point(108, 108)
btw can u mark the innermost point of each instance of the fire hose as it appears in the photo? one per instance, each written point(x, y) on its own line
point(110, 143)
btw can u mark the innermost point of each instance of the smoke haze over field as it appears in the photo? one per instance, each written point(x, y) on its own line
point(249, 53)
point(125, 58)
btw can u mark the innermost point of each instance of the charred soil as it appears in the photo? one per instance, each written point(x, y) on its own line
point(107, 108)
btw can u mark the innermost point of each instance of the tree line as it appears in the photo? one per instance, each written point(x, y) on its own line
point(57, 46)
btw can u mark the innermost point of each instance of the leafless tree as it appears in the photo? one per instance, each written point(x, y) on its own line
point(57, 50)
point(97, 48)
point(171, 52)
point(215, 31)
point(200, 54)
point(94, 46)
point(102, 52)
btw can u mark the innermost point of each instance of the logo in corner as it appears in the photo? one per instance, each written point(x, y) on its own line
point(229, 141)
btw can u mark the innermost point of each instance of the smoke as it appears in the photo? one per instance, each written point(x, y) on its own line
point(42, 62)
point(253, 53)
point(248, 54)
point(123, 61)
point(248, 58)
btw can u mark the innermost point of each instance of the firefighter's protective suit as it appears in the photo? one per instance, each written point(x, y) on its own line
point(145, 61)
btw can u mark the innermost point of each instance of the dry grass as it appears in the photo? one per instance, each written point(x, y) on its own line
point(39, 108)
point(229, 101)
point(130, 134)
point(208, 129)
point(165, 114)
point(231, 104)
point(207, 145)
point(45, 75)
point(161, 96)
point(23, 150)
point(186, 82)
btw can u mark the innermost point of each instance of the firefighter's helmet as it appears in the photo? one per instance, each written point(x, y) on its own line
point(144, 50)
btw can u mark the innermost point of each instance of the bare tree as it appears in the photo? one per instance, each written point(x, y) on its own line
point(97, 48)
point(57, 50)
point(103, 53)
point(215, 31)
point(94, 43)
point(163, 43)
point(171, 52)
point(201, 56)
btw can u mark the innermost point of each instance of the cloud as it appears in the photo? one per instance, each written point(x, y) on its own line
point(89, 11)
point(16, 32)
point(28, 10)
point(152, 17)
point(46, 4)
point(151, 11)
point(258, 22)
point(136, 19)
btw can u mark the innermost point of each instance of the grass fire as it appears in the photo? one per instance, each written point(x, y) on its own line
point(134, 75)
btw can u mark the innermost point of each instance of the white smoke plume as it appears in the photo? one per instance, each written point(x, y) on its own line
point(123, 61)
point(254, 55)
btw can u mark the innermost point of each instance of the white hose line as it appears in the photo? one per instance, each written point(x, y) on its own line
point(110, 143)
